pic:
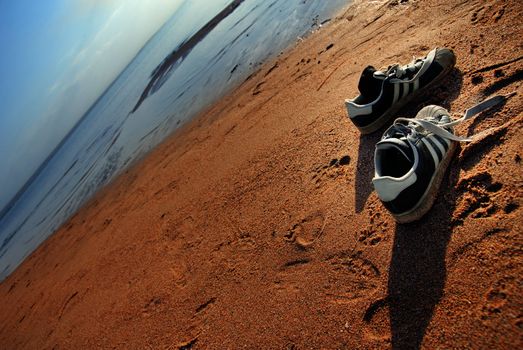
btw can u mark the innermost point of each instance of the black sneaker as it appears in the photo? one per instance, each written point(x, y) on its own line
point(412, 156)
point(382, 94)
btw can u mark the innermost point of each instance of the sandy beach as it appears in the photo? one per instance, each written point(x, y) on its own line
point(256, 225)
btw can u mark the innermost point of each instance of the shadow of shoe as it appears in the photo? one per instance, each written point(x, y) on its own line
point(417, 271)
point(416, 280)
point(365, 169)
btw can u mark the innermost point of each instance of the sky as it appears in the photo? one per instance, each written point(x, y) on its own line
point(57, 57)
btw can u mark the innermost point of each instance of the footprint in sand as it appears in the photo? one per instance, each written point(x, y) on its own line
point(503, 79)
point(205, 305)
point(487, 14)
point(241, 241)
point(244, 244)
point(186, 345)
point(235, 251)
point(152, 305)
point(370, 236)
point(344, 278)
point(351, 277)
point(377, 321)
point(376, 231)
point(307, 231)
point(494, 300)
point(478, 197)
point(176, 229)
point(291, 279)
point(337, 167)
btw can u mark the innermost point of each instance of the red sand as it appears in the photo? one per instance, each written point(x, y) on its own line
point(238, 232)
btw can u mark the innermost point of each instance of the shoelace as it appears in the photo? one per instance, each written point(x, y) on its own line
point(439, 129)
point(400, 71)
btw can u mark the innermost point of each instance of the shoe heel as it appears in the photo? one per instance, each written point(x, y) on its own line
point(427, 201)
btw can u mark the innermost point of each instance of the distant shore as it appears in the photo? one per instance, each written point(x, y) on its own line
point(256, 225)
point(175, 57)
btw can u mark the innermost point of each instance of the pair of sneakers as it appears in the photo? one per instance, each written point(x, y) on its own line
point(411, 158)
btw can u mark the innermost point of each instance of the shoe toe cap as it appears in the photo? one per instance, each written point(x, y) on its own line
point(445, 57)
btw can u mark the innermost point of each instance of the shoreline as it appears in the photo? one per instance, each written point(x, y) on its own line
point(256, 223)
point(17, 223)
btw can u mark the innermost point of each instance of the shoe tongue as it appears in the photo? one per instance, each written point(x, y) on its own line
point(379, 75)
point(399, 144)
point(370, 82)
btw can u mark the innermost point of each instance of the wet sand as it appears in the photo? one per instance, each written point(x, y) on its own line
point(256, 226)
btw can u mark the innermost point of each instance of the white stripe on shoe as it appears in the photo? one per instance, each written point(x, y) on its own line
point(432, 152)
point(396, 93)
point(405, 89)
point(437, 143)
point(416, 85)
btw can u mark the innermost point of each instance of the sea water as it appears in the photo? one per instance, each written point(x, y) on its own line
point(157, 92)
